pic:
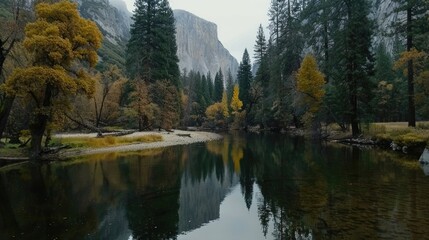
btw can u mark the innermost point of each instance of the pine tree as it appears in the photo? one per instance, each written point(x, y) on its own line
point(276, 15)
point(353, 60)
point(229, 84)
point(152, 50)
point(413, 28)
point(210, 87)
point(244, 78)
point(218, 86)
point(260, 46)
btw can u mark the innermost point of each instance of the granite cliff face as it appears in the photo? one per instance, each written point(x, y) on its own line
point(198, 46)
point(384, 15)
point(112, 18)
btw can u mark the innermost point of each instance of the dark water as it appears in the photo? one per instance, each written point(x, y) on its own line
point(242, 187)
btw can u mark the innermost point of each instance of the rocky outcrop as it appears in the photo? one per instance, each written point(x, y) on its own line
point(199, 48)
point(384, 15)
point(113, 19)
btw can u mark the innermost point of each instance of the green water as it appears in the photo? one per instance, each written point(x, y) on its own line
point(242, 187)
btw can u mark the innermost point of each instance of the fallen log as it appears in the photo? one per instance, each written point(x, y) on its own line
point(183, 135)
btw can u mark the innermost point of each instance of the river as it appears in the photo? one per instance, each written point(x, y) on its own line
point(241, 187)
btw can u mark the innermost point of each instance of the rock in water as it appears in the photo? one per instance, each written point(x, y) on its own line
point(424, 158)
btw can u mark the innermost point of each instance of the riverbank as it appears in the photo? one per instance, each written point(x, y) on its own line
point(167, 139)
point(396, 136)
point(176, 137)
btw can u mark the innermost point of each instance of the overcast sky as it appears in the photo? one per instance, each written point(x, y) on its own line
point(237, 20)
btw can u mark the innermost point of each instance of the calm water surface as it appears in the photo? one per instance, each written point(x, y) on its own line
point(242, 187)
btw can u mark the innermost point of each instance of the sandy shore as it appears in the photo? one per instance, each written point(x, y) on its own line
point(169, 139)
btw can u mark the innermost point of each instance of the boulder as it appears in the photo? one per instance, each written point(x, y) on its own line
point(424, 158)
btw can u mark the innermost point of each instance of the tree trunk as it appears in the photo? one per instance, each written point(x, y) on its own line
point(411, 104)
point(4, 113)
point(38, 127)
point(36, 139)
point(354, 104)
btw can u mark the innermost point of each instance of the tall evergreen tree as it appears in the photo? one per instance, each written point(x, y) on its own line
point(260, 46)
point(210, 87)
point(218, 86)
point(229, 85)
point(244, 78)
point(414, 26)
point(152, 51)
point(276, 15)
point(353, 55)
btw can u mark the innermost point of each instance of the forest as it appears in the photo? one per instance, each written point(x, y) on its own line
point(320, 64)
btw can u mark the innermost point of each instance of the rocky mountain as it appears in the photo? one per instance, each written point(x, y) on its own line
point(114, 20)
point(384, 15)
point(199, 48)
point(112, 17)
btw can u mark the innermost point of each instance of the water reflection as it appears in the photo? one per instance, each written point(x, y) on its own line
point(266, 186)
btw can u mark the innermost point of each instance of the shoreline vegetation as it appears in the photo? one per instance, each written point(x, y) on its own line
point(395, 136)
point(80, 144)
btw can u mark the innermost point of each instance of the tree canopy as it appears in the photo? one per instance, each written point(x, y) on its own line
point(62, 43)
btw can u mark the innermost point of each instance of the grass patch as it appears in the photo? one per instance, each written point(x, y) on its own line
point(109, 141)
point(399, 133)
point(13, 150)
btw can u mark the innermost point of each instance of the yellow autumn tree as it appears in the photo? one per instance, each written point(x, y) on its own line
point(236, 103)
point(310, 83)
point(420, 72)
point(63, 44)
point(108, 91)
point(214, 114)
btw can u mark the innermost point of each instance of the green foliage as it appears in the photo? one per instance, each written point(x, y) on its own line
point(218, 86)
point(244, 78)
point(151, 51)
point(260, 46)
point(111, 54)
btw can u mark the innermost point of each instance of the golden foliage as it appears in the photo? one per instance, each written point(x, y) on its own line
point(59, 41)
point(237, 155)
point(418, 58)
point(214, 112)
point(421, 72)
point(108, 91)
point(236, 103)
point(166, 95)
point(109, 141)
point(310, 82)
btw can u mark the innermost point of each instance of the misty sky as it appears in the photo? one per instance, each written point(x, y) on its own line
point(237, 20)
